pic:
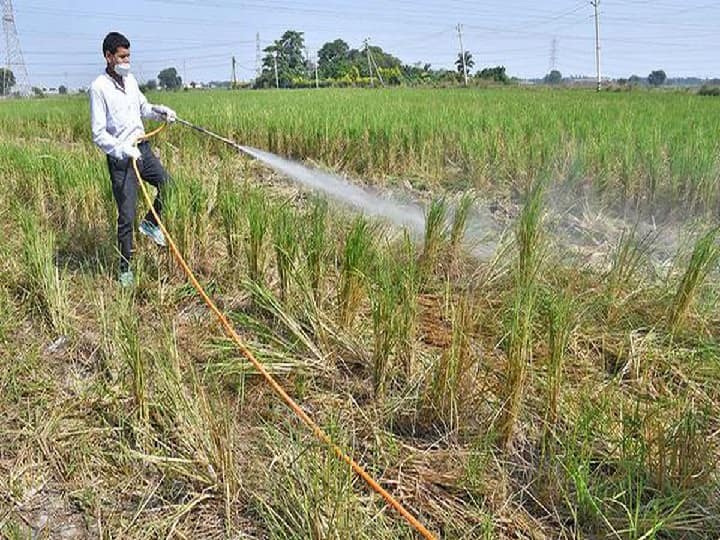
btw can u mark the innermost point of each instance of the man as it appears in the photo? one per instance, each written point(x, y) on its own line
point(117, 108)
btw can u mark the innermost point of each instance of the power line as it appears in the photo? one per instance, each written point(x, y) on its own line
point(67, 52)
point(485, 27)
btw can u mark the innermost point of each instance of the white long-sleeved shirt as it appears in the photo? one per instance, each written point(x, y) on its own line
point(116, 113)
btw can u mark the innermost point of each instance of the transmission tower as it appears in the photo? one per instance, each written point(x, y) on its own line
point(14, 60)
point(553, 55)
point(258, 56)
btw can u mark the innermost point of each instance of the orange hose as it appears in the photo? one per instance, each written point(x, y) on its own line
point(230, 331)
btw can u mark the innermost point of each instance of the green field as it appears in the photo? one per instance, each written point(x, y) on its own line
point(567, 386)
point(640, 148)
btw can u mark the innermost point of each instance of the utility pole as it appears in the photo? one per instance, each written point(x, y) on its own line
point(308, 65)
point(277, 80)
point(367, 51)
point(377, 69)
point(596, 5)
point(234, 74)
point(462, 53)
point(317, 78)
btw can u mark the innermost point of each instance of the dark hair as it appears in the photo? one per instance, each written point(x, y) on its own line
point(114, 40)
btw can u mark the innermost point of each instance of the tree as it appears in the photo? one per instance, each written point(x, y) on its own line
point(62, 89)
point(7, 81)
point(287, 54)
point(417, 73)
point(381, 59)
point(496, 74)
point(391, 76)
point(469, 62)
point(169, 79)
point(554, 77)
point(333, 61)
point(635, 80)
point(150, 84)
point(657, 78)
point(38, 92)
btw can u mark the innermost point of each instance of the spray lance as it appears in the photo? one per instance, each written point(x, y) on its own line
point(227, 141)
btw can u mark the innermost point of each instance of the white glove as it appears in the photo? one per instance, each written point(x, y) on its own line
point(130, 151)
point(166, 112)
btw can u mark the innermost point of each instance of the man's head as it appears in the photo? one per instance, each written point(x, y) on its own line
point(116, 49)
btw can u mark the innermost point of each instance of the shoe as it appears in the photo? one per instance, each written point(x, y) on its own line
point(153, 232)
point(126, 279)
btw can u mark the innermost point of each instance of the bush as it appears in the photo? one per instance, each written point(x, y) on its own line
point(708, 90)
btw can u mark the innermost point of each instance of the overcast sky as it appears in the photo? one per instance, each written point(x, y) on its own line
point(62, 41)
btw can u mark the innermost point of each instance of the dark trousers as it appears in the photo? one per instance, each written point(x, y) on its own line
point(125, 190)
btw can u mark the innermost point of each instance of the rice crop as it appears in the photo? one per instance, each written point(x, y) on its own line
point(567, 386)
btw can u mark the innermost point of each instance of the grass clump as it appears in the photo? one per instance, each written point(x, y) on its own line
point(258, 219)
point(308, 493)
point(230, 210)
point(531, 249)
point(285, 243)
point(393, 298)
point(561, 321)
point(356, 259)
point(315, 244)
point(435, 236)
point(704, 258)
point(449, 394)
point(45, 281)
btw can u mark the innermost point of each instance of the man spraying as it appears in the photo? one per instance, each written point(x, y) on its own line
point(117, 108)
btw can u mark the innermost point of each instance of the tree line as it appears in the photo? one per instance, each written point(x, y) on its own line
point(287, 64)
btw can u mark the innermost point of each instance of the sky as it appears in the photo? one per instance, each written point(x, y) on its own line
point(61, 41)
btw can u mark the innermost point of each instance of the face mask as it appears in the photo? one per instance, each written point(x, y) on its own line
point(122, 69)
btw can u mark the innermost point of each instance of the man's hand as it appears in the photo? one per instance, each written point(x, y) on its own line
point(167, 112)
point(130, 151)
